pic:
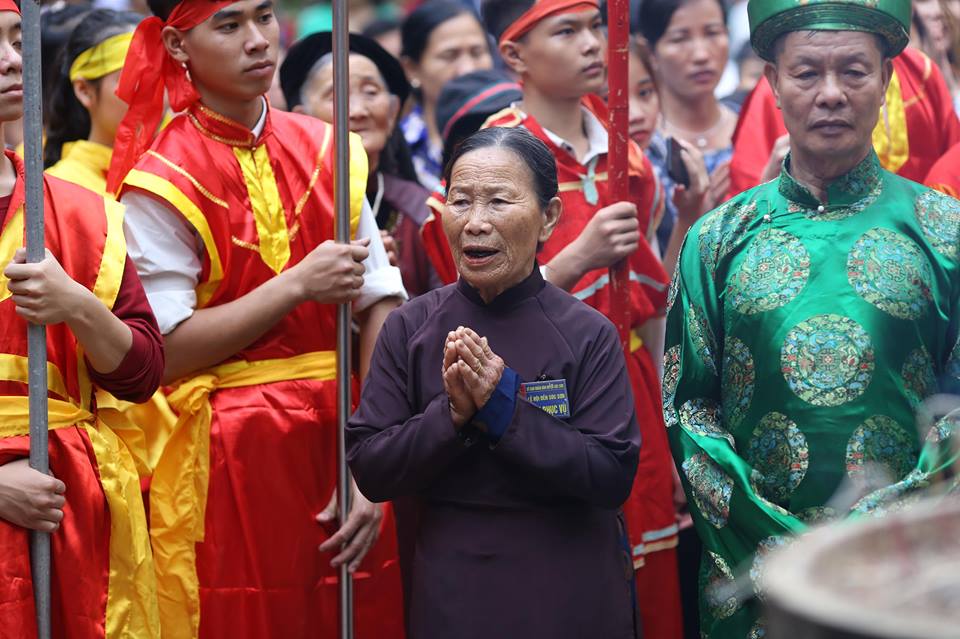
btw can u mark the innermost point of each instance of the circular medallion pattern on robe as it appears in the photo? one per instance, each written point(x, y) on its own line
point(891, 272)
point(817, 515)
point(739, 378)
point(953, 366)
point(827, 360)
point(778, 450)
point(700, 417)
point(939, 217)
point(918, 375)
point(881, 440)
point(774, 270)
point(719, 590)
point(719, 231)
point(671, 377)
point(710, 487)
point(702, 337)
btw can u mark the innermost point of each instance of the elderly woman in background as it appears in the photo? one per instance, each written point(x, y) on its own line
point(378, 89)
point(502, 405)
point(441, 40)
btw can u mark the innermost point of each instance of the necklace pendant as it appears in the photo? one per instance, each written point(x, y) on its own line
point(701, 143)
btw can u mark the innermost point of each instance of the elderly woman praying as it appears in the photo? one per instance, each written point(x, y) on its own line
point(501, 406)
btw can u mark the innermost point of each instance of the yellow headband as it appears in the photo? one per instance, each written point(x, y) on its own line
point(102, 59)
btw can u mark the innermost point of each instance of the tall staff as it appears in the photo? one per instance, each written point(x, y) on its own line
point(36, 333)
point(341, 205)
point(618, 49)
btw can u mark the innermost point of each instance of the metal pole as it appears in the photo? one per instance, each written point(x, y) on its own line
point(341, 199)
point(618, 48)
point(36, 334)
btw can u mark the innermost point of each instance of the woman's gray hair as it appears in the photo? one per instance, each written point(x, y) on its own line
point(528, 149)
point(324, 61)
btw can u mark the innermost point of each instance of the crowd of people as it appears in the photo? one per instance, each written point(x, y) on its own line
point(520, 467)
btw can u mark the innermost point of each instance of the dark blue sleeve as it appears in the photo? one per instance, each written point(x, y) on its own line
point(497, 413)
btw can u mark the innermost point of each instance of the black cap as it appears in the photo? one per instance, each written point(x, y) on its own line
point(304, 54)
point(466, 102)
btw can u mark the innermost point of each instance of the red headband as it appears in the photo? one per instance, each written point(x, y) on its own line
point(9, 5)
point(544, 9)
point(149, 70)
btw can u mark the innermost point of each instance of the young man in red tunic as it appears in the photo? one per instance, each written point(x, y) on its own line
point(230, 221)
point(100, 335)
point(558, 49)
point(917, 125)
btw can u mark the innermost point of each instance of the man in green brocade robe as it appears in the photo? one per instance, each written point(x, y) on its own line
point(810, 315)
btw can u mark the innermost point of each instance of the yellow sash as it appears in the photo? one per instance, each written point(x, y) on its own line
point(131, 595)
point(178, 493)
point(890, 137)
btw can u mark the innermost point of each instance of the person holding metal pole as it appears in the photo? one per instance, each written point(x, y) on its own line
point(100, 334)
point(230, 220)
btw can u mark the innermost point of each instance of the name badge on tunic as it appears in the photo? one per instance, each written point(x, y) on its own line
point(549, 395)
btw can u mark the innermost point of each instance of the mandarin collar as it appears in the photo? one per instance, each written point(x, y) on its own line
point(845, 191)
point(92, 154)
point(529, 287)
point(226, 130)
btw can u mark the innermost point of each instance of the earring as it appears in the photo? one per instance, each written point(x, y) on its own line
point(415, 83)
point(186, 70)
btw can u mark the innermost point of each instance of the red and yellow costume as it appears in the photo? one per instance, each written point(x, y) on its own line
point(145, 427)
point(103, 576)
point(649, 512)
point(252, 457)
point(945, 174)
point(917, 124)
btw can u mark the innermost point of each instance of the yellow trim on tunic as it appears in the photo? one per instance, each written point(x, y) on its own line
point(890, 137)
point(102, 59)
point(84, 163)
point(164, 189)
point(10, 240)
point(268, 213)
point(178, 494)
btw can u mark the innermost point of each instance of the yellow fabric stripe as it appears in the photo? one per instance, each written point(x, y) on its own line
point(636, 342)
point(178, 493)
point(204, 191)
point(10, 241)
point(102, 59)
point(107, 286)
point(13, 368)
point(358, 181)
point(890, 137)
point(166, 190)
point(563, 187)
point(268, 213)
point(131, 588)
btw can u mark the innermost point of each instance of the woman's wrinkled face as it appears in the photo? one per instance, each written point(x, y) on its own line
point(693, 51)
point(455, 48)
point(644, 102)
point(373, 109)
point(493, 221)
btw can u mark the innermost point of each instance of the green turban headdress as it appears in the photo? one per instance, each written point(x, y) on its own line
point(770, 19)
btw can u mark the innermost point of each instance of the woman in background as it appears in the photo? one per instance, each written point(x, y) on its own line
point(84, 111)
point(441, 40)
point(689, 48)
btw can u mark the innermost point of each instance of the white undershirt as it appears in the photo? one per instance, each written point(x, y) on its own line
point(168, 255)
point(597, 138)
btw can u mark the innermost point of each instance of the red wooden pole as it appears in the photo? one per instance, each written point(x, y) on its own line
point(618, 50)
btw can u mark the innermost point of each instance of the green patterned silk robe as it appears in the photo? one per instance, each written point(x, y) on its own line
point(800, 340)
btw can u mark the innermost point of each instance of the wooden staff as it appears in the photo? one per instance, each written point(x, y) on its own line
point(36, 333)
point(618, 49)
point(341, 203)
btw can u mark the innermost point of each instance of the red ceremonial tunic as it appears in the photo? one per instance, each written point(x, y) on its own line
point(920, 124)
point(649, 511)
point(945, 174)
point(259, 206)
point(103, 577)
